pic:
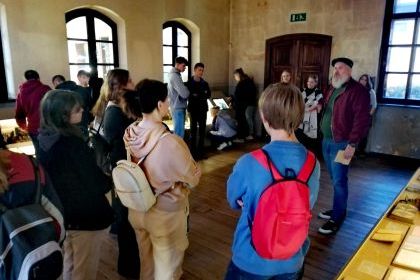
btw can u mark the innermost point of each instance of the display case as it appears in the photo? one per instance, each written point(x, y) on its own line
point(16, 139)
point(392, 249)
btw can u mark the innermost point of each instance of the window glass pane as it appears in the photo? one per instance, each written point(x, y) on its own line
point(166, 70)
point(182, 38)
point(405, 6)
point(402, 31)
point(415, 88)
point(183, 52)
point(398, 59)
point(184, 75)
point(167, 55)
point(102, 30)
point(167, 36)
point(75, 68)
point(395, 85)
point(103, 70)
point(76, 28)
point(104, 52)
point(78, 51)
point(416, 67)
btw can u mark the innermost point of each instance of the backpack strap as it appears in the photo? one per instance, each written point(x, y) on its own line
point(35, 165)
point(307, 168)
point(264, 159)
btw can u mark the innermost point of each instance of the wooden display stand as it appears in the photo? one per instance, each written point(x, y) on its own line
point(374, 259)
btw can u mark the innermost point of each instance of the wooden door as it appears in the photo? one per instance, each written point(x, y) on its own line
point(300, 54)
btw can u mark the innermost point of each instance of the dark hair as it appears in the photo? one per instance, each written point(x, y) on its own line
point(369, 84)
point(117, 79)
point(181, 60)
point(131, 104)
point(31, 75)
point(83, 72)
point(60, 78)
point(56, 108)
point(199, 64)
point(150, 93)
point(241, 73)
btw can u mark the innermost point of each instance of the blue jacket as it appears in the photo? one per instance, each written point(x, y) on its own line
point(246, 183)
point(178, 93)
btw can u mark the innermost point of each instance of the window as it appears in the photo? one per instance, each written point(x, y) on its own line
point(399, 77)
point(3, 86)
point(92, 42)
point(176, 42)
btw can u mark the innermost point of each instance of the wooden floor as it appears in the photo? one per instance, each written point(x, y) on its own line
point(373, 183)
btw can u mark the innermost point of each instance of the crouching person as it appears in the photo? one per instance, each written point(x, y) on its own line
point(223, 128)
point(255, 175)
point(169, 167)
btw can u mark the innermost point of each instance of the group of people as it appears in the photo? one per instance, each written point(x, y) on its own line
point(130, 117)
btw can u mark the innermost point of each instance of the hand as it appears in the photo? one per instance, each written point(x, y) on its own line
point(349, 151)
point(212, 132)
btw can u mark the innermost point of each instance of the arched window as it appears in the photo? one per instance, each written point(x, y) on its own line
point(176, 42)
point(3, 85)
point(92, 42)
point(399, 77)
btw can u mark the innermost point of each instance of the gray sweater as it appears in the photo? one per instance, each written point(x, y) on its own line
point(177, 91)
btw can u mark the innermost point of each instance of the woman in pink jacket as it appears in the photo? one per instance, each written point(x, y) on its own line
point(162, 231)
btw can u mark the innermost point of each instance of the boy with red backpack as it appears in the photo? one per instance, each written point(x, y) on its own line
point(275, 187)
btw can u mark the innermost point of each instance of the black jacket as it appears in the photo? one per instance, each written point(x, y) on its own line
point(245, 94)
point(199, 93)
point(78, 181)
point(115, 122)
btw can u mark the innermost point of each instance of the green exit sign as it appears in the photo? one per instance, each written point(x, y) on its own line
point(298, 17)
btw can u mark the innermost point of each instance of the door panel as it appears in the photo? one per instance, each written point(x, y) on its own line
point(301, 55)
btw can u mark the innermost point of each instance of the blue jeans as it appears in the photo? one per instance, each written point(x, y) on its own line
point(338, 173)
point(178, 117)
point(35, 142)
point(235, 273)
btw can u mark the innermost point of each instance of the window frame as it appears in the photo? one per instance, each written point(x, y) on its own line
point(91, 38)
point(174, 25)
point(4, 95)
point(385, 45)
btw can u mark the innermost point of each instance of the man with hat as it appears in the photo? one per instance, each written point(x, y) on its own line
point(344, 123)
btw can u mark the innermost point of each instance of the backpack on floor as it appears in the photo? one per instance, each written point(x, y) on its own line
point(281, 221)
point(131, 184)
point(30, 239)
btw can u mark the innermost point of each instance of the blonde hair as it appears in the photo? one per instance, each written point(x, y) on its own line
point(282, 107)
point(99, 109)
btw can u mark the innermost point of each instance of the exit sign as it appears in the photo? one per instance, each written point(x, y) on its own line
point(298, 17)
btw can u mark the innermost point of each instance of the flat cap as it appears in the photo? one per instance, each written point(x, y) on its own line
point(344, 60)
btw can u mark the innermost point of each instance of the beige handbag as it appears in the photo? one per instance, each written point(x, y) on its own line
point(132, 186)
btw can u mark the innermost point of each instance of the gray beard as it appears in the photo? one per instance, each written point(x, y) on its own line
point(338, 82)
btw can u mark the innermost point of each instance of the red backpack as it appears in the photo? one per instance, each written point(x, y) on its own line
point(282, 216)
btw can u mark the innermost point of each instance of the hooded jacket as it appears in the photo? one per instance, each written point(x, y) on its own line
point(78, 181)
point(178, 93)
point(28, 102)
point(168, 165)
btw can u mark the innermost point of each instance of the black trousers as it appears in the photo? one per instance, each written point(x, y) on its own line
point(128, 251)
point(197, 119)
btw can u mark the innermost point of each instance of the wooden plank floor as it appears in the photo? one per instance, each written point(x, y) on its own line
point(374, 183)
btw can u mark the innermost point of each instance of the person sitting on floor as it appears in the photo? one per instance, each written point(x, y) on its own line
point(224, 128)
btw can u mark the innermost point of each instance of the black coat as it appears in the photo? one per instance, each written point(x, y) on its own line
point(78, 181)
point(199, 93)
point(245, 94)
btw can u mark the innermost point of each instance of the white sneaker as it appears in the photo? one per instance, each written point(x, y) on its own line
point(222, 146)
point(249, 137)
